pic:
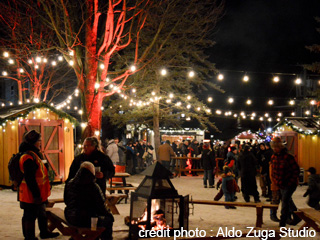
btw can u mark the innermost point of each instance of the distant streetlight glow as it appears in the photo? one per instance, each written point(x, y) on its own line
point(246, 78)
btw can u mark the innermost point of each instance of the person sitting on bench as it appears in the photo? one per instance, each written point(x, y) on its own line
point(313, 189)
point(84, 200)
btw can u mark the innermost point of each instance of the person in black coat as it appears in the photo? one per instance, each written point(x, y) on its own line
point(247, 165)
point(313, 189)
point(97, 158)
point(208, 163)
point(84, 200)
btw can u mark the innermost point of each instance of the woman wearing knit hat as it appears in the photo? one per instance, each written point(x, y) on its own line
point(34, 189)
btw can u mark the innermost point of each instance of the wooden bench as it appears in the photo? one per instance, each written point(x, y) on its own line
point(113, 199)
point(57, 220)
point(259, 207)
point(53, 201)
point(311, 218)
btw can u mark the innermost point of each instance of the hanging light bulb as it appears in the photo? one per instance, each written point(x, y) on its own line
point(220, 77)
point(71, 63)
point(291, 102)
point(218, 112)
point(188, 97)
point(11, 61)
point(298, 81)
point(163, 72)
point(21, 70)
point(30, 61)
point(191, 74)
point(270, 102)
point(54, 63)
point(245, 78)
point(276, 79)
point(248, 102)
point(60, 58)
point(133, 68)
point(6, 54)
point(230, 100)
point(171, 95)
point(38, 59)
point(210, 99)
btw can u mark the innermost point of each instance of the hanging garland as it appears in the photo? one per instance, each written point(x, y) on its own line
point(23, 113)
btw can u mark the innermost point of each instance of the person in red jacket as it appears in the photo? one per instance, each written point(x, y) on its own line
point(34, 189)
point(285, 173)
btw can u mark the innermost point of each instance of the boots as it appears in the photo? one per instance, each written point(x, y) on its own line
point(43, 226)
point(274, 217)
point(28, 230)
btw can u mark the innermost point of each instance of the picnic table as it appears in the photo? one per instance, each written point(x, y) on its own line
point(120, 186)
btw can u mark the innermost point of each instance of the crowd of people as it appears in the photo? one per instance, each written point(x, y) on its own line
point(85, 187)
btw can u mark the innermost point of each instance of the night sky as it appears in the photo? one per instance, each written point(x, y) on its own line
point(260, 38)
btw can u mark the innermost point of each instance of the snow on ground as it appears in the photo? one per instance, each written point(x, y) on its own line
point(203, 217)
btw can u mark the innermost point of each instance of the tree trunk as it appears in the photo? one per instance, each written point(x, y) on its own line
point(156, 129)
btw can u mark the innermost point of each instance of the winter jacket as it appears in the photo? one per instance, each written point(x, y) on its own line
point(84, 199)
point(228, 184)
point(165, 152)
point(285, 170)
point(313, 187)
point(35, 183)
point(208, 159)
point(247, 164)
point(194, 149)
point(112, 152)
point(98, 159)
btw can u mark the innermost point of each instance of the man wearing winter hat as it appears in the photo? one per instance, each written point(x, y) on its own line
point(313, 189)
point(34, 189)
point(285, 173)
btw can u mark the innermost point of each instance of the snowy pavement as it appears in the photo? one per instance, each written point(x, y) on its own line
point(209, 219)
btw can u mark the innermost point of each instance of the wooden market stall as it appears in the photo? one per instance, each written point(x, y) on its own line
point(56, 128)
point(302, 136)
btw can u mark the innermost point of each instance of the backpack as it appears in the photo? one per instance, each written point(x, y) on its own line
point(15, 173)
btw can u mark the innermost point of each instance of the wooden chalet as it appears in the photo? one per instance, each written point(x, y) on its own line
point(56, 128)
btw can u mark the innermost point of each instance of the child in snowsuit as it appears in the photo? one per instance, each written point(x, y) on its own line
point(228, 186)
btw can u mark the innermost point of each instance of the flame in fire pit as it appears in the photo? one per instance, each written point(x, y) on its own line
point(158, 221)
